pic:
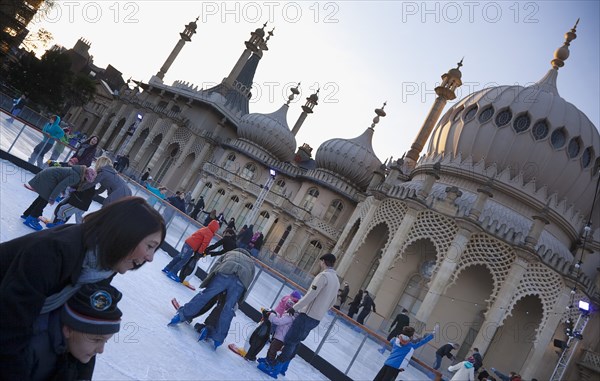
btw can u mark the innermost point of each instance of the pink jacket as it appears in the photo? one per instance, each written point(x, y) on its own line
point(281, 307)
point(283, 324)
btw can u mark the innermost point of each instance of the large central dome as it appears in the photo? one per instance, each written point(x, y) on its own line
point(532, 131)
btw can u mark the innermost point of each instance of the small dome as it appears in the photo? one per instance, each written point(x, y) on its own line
point(455, 73)
point(530, 130)
point(352, 159)
point(271, 132)
point(260, 32)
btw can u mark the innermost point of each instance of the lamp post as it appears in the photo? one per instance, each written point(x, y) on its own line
point(249, 220)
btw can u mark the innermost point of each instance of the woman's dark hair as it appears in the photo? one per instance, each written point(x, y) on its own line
point(88, 140)
point(119, 227)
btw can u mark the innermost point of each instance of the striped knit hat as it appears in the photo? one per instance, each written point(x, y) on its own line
point(93, 309)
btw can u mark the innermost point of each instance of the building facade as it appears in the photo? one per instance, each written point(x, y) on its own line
point(483, 232)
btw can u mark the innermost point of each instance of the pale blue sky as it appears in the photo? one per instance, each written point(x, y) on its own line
point(360, 53)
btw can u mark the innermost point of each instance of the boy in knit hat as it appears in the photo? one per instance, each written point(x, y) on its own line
point(66, 340)
point(402, 350)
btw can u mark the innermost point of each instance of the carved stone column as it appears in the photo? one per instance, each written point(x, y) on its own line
point(439, 282)
point(388, 257)
point(493, 317)
point(348, 258)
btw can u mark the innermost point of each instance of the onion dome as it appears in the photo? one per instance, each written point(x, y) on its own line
point(352, 159)
point(530, 131)
point(271, 132)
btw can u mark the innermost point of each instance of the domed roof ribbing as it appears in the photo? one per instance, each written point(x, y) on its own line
point(353, 159)
point(530, 130)
point(271, 132)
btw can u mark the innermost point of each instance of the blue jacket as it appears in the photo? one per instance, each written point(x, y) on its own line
point(400, 352)
point(53, 129)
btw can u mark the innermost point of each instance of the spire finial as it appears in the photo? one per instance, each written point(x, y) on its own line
point(459, 65)
point(270, 34)
point(561, 54)
point(295, 92)
point(380, 113)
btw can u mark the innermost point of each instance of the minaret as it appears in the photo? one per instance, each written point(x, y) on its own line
point(450, 82)
point(186, 36)
point(255, 45)
point(311, 102)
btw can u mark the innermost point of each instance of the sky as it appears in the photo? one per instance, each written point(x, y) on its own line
point(360, 54)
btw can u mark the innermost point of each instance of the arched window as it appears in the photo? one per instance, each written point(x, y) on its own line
point(261, 221)
point(333, 212)
point(215, 201)
point(471, 113)
point(166, 164)
point(278, 186)
point(282, 239)
point(486, 114)
point(249, 171)
point(207, 187)
point(228, 164)
point(558, 138)
point(242, 217)
point(309, 199)
point(540, 130)
point(414, 293)
point(309, 256)
point(503, 117)
point(230, 206)
point(574, 147)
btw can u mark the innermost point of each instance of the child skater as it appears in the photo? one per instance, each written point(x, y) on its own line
point(283, 324)
point(77, 203)
point(48, 184)
point(402, 351)
point(66, 341)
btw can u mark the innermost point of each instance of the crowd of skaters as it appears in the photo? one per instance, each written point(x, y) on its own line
point(62, 311)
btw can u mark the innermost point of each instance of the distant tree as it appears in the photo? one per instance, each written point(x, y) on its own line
point(46, 81)
point(38, 41)
point(80, 90)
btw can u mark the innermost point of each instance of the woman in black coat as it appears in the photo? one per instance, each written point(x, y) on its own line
point(39, 272)
point(355, 304)
point(86, 152)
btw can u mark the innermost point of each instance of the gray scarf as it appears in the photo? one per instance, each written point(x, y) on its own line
point(90, 273)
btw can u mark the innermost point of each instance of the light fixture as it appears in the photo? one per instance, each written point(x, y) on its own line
point(584, 306)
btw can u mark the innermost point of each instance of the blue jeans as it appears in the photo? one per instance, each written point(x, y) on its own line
point(301, 327)
point(180, 259)
point(438, 362)
point(220, 283)
point(39, 151)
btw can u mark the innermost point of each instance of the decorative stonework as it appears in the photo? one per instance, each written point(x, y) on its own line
point(542, 282)
point(438, 229)
point(391, 213)
point(181, 137)
point(483, 249)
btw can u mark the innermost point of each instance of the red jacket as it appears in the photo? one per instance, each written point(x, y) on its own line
point(201, 237)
